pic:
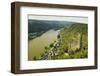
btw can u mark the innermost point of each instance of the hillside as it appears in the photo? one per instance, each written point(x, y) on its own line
point(38, 27)
point(45, 25)
point(74, 39)
point(74, 33)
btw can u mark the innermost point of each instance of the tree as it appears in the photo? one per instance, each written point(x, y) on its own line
point(58, 36)
point(51, 45)
point(46, 48)
point(81, 41)
point(34, 58)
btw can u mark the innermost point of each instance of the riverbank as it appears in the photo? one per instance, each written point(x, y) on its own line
point(36, 47)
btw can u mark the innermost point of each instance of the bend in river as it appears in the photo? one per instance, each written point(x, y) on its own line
point(36, 46)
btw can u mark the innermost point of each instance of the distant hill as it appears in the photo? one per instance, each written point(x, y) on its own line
point(45, 25)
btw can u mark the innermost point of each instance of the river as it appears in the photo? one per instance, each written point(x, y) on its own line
point(36, 46)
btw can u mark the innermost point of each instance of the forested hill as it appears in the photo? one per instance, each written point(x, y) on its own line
point(45, 25)
point(78, 27)
point(76, 36)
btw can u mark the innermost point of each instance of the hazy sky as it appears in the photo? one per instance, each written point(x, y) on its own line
point(59, 18)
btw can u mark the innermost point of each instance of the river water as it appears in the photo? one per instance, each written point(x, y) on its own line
point(36, 46)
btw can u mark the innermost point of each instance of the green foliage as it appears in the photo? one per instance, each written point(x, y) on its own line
point(58, 36)
point(80, 54)
point(70, 41)
point(63, 56)
point(73, 55)
point(70, 37)
point(51, 45)
point(34, 58)
point(46, 48)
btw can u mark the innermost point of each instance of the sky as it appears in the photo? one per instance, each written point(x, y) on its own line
point(59, 18)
